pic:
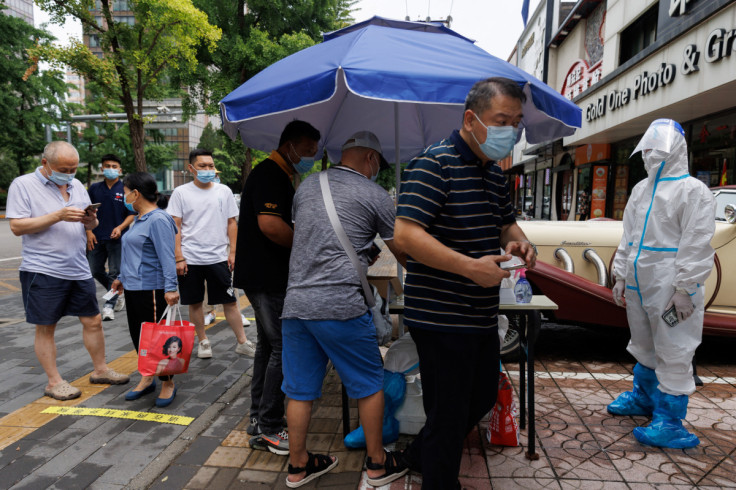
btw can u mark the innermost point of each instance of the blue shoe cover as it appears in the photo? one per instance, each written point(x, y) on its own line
point(669, 435)
point(666, 429)
point(639, 401)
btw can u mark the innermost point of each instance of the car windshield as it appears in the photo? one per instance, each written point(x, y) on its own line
point(723, 198)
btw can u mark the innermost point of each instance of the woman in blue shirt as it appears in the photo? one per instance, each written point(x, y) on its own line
point(147, 270)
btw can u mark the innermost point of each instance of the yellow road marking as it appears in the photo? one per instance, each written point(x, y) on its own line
point(163, 418)
point(9, 286)
point(18, 424)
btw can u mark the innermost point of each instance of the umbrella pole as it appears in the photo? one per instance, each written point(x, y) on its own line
point(397, 149)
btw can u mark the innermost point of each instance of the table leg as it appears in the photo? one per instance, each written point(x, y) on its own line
point(522, 371)
point(531, 453)
point(345, 412)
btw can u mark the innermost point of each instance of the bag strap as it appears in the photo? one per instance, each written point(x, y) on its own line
point(343, 238)
point(169, 314)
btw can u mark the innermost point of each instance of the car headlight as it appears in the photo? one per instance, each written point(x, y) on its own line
point(730, 213)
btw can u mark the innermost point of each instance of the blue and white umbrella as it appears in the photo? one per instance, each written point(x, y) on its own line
point(404, 81)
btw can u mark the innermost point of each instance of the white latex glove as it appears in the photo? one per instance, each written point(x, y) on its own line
point(618, 293)
point(683, 305)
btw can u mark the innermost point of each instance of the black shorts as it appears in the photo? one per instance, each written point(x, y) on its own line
point(219, 284)
point(47, 299)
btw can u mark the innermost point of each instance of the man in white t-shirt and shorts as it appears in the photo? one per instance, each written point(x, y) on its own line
point(205, 213)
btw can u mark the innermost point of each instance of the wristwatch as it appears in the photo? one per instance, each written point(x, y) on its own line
point(533, 246)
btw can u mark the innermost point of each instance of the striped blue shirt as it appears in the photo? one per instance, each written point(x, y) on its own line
point(463, 204)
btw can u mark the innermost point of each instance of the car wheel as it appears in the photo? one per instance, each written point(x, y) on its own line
point(510, 347)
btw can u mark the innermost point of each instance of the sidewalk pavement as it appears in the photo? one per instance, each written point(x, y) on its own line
point(579, 444)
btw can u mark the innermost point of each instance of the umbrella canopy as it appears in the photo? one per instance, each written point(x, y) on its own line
point(404, 81)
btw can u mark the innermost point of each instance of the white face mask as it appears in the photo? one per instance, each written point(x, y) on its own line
point(653, 159)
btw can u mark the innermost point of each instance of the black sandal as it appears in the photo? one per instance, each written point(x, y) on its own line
point(317, 465)
point(394, 465)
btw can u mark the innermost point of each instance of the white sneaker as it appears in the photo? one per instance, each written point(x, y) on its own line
point(120, 303)
point(205, 349)
point(246, 323)
point(209, 318)
point(247, 348)
point(107, 314)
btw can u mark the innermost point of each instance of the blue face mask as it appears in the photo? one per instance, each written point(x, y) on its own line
point(129, 205)
point(59, 178)
point(216, 180)
point(110, 173)
point(206, 176)
point(375, 176)
point(500, 140)
point(305, 165)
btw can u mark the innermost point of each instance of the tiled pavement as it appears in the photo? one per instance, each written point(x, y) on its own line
point(580, 446)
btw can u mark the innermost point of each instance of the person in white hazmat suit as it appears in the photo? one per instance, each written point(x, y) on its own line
point(662, 262)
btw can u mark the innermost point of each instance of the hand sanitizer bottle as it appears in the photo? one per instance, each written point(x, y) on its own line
point(523, 290)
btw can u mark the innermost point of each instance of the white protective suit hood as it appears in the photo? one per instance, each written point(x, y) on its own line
point(664, 141)
point(669, 222)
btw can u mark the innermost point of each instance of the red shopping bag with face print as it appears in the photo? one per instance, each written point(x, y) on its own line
point(503, 429)
point(165, 348)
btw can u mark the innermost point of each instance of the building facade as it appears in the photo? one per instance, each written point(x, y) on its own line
point(22, 9)
point(532, 174)
point(659, 59)
point(674, 59)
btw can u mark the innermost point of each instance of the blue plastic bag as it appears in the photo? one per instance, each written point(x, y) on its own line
point(394, 389)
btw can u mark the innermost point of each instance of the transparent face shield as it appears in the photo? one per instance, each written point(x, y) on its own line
point(662, 135)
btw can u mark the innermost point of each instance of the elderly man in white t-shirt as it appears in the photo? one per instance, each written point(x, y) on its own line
point(205, 212)
point(49, 209)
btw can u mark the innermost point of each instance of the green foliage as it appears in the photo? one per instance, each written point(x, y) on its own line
point(29, 100)
point(252, 41)
point(137, 59)
point(100, 138)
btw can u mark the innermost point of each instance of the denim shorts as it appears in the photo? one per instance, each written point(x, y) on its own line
point(350, 345)
point(47, 299)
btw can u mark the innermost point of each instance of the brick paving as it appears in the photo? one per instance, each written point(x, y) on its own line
point(579, 371)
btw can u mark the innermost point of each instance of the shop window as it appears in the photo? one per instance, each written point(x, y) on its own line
point(713, 150)
point(583, 197)
point(547, 194)
point(639, 35)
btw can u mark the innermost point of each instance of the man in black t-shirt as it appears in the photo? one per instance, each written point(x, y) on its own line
point(265, 234)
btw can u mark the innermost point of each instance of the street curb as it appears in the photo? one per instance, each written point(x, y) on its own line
point(161, 463)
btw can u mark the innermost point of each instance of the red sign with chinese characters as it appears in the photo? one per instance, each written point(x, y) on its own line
point(579, 77)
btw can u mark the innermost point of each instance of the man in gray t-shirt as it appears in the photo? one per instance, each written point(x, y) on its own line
point(325, 316)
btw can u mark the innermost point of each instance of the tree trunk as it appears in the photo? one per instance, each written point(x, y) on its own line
point(247, 167)
point(137, 139)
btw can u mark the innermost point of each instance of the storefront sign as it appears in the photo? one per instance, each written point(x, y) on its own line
point(619, 192)
point(598, 194)
point(718, 46)
point(580, 77)
point(678, 7)
point(592, 153)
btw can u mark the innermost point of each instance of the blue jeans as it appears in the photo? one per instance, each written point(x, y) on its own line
point(107, 251)
point(267, 404)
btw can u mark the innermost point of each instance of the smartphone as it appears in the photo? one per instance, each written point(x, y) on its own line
point(92, 206)
point(670, 316)
point(374, 251)
point(513, 267)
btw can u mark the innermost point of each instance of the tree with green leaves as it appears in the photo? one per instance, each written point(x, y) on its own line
point(100, 137)
point(256, 34)
point(29, 100)
point(137, 59)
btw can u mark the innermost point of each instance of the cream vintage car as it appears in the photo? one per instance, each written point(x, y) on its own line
point(574, 268)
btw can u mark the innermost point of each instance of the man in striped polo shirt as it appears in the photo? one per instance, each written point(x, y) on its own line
point(454, 215)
